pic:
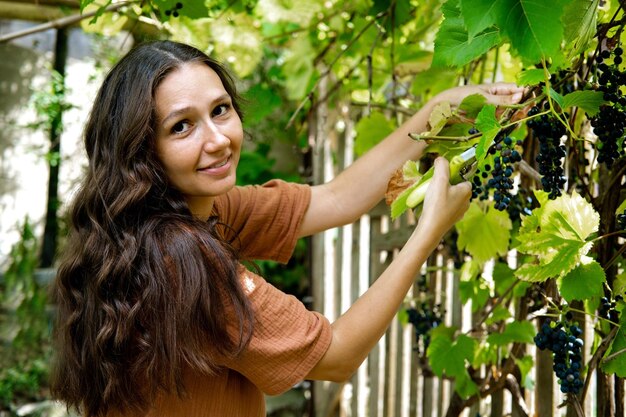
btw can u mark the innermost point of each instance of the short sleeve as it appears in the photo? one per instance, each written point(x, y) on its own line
point(265, 218)
point(287, 341)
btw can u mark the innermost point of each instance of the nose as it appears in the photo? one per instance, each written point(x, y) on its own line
point(215, 139)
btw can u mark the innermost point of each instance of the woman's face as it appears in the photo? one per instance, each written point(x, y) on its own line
point(198, 135)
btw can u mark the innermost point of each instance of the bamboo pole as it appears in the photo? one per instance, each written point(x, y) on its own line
point(54, 24)
point(12, 10)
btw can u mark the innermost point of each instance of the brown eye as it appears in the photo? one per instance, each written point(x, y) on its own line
point(180, 127)
point(221, 109)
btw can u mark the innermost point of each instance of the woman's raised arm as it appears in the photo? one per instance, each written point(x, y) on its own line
point(362, 185)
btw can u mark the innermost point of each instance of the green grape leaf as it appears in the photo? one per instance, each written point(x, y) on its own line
point(555, 96)
point(516, 331)
point(589, 101)
point(579, 23)
point(472, 105)
point(453, 45)
point(398, 206)
point(475, 290)
point(479, 14)
point(370, 130)
point(584, 281)
point(525, 365)
point(531, 76)
point(411, 170)
point(487, 123)
point(533, 28)
point(451, 357)
point(484, 234)
point(614, 361)
point(503, 277)
point(437, 119)
point(556, 234)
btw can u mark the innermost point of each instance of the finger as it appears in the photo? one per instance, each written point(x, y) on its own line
point(442, 170)
point(464, 189)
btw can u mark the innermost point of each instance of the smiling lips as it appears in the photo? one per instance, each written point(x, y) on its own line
point(218, 168)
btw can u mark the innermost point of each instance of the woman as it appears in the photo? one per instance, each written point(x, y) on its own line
point(156, 315)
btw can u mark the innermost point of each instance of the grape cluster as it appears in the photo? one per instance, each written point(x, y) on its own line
point(500, 182)
point(562, 338)
point(610, 122)
point(607, 309)
point(549, 131)
point(424, 317)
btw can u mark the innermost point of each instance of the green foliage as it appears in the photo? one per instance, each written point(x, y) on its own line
point(49, 104)
point(449, 355)
point(556, 234)
point(583, 282)
point(484, 232)
point(24, 325)
point(454, 46)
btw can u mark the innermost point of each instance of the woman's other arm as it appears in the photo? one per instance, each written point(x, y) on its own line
point(358, 330)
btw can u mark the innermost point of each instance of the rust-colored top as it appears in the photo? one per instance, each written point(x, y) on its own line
point(288, 339)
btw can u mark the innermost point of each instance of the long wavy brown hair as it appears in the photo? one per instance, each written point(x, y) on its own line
point(142, 286)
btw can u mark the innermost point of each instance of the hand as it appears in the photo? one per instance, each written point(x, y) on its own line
point(496, 93)
point(444, 204)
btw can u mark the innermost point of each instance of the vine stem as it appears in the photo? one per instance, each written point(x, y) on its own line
point(417, 136)
point(552, 109)
point(593, 315)
point(617, 232)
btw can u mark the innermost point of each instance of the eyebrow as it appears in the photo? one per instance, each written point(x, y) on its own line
point(178, 112)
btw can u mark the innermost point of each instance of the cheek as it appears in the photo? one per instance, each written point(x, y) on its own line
point(174, 159)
